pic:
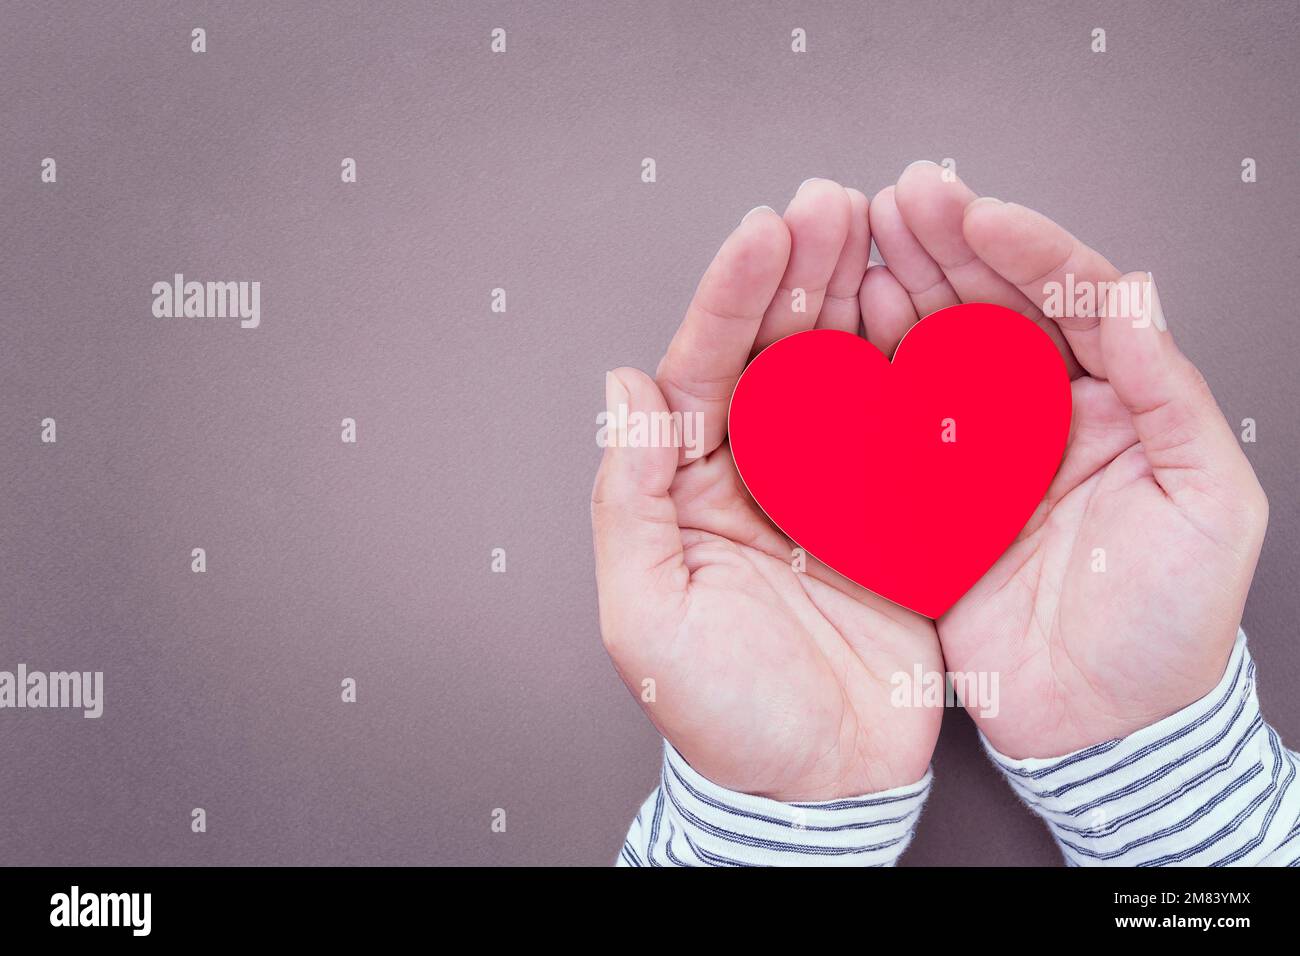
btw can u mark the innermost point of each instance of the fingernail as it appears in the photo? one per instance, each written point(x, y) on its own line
point(990, 200)
point(616, 393)
point(810, 179)
point(920, 162)
point(1153, 304)
point(754, 210)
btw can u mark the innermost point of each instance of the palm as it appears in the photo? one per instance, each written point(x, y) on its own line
point(1056, 615)
point(791, 670)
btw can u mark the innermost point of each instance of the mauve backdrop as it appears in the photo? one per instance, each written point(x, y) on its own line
point(476, 430)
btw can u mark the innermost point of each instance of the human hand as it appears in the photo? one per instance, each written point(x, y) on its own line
point(767, 680)
point(1119, 602)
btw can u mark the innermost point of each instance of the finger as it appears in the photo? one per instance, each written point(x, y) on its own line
point(711, 348)
point(640, 573)
point(1044, 262)
point(887, 309)
point(907, 259)
point(818, 220)
point(1192, 451)
point(840, 310)
point(933, 206)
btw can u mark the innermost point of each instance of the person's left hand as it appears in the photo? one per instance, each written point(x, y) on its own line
point(1119, 602)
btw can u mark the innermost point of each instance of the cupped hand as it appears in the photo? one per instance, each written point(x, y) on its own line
point(1119, 602)
point(768, 672)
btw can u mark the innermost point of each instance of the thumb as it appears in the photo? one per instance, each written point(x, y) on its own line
point(1186, 439)
point(640, 570)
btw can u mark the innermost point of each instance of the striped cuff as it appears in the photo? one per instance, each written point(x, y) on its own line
point(1208, 786)
point(690, 821)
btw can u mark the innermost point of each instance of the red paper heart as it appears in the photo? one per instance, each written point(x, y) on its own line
point(909, 478)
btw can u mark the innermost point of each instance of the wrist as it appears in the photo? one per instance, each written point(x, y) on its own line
point(1205, 786)
point(828, 779)
point(692, 820)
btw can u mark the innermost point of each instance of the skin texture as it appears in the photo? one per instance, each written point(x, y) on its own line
point(776, 682)
point(767, 680)
point(1153, 475)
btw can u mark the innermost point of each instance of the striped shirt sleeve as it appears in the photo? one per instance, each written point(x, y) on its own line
point(690, 821)
point(1211, 785)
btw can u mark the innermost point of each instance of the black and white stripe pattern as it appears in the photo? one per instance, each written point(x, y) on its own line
point(690, 821)
point(1209, 786)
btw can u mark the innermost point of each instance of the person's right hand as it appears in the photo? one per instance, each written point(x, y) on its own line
point(767, 680)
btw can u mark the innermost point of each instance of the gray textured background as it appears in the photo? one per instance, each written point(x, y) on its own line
point(482, 690)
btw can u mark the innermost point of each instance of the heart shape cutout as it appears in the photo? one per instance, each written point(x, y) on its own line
point(912, 477)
